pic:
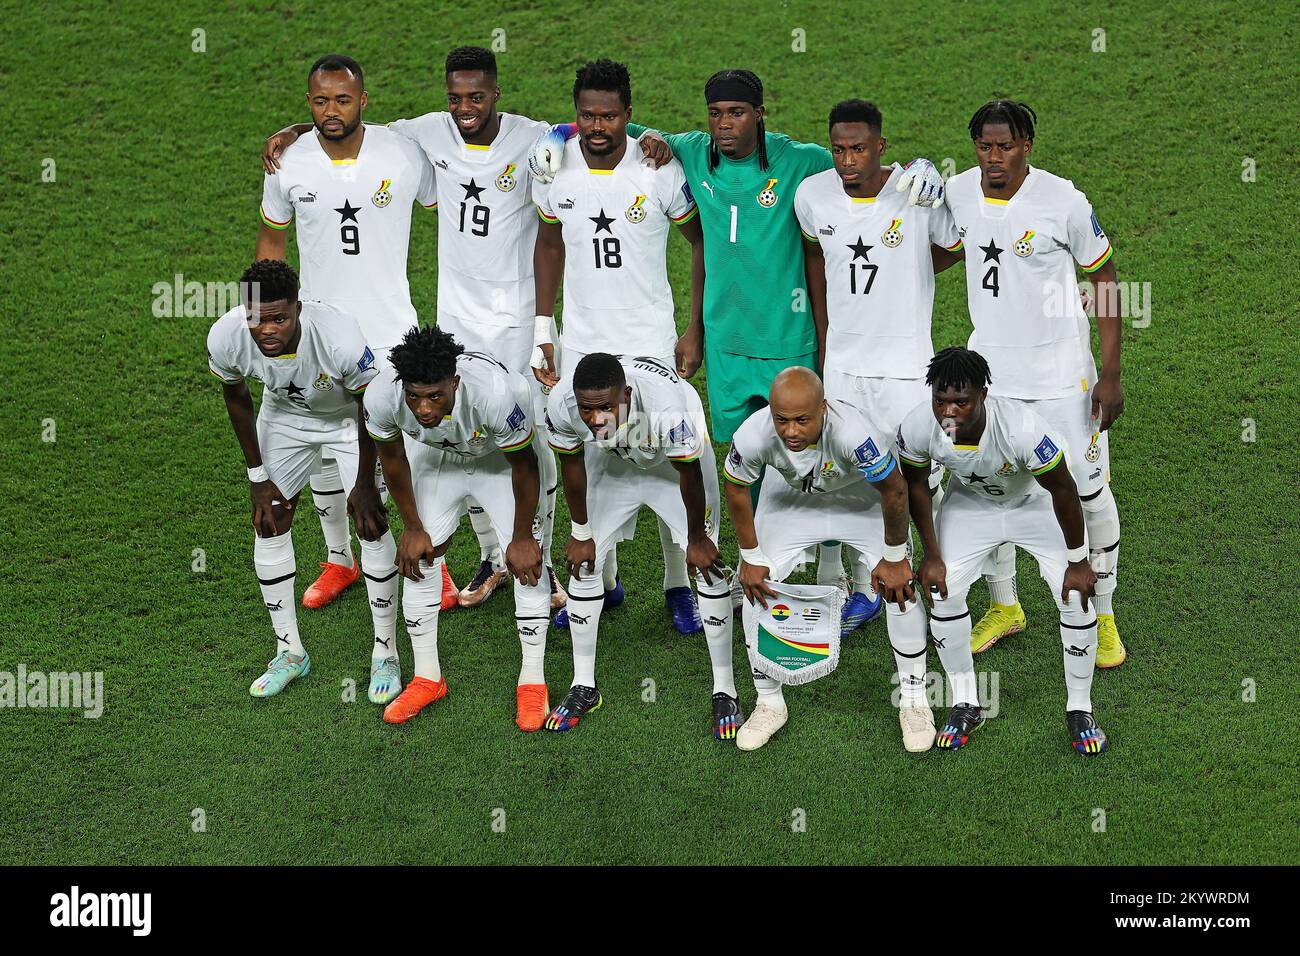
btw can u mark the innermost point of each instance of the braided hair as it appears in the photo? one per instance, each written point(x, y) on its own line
point(750, 80)
point(1020, 117)
point(958, 368)
point(425, 356)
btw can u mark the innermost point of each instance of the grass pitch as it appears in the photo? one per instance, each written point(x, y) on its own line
point(155, 150)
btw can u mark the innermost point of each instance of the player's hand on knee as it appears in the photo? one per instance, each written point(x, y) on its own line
point(893, 579)
point(702, 557)
point(276, 144)
point(689, 353)
point(265, 496)
point(368, 512)
point(656, 148)
point(579, 553)
point(1080, 577)
point(415, 546)
point(934, 578)
point(753, 581)
point(524, 560)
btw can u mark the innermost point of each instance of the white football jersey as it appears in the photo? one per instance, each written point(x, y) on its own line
point(493, 411)
point(313, 387)
point(353, 225)
point(486, 224)
point(1017, 444)
point(665, 419)
point(851, 448)
point(1020, 282)
point(615, 222)
point(879, 275)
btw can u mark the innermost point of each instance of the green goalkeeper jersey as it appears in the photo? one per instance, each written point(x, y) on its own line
point(755, 296)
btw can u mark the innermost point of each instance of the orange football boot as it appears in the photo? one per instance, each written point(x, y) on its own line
point(450, 593)
point(419, 694)
point(334, 580)
point(532, 704)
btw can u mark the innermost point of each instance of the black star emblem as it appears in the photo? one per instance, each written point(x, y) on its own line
point(292, 390)
point(602, 222)
point(859, 249)
point(448, 443)
point(472, 189)
point(991, 251)
point(348, 212)
point(976, 478)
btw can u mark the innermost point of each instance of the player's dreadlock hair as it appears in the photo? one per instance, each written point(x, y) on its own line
point(472, 59)
point(425, 356)
point(270, 280)
point(335, 63)
point(1019, 116)
point(857, 111)
point(745, 87)
point(599, 370)
point(604, 75)
point(958, 368)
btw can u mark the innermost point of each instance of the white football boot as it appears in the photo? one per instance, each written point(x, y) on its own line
point(762, 724)
point(918, 728)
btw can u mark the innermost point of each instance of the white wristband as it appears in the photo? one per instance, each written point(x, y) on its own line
point(1076, 554)
point(581, 532)
point(756, 557)
point(258, 474)
point(895, 552)
point(542, 330)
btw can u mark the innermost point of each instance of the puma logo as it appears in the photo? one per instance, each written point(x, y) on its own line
point(579, 618)
point(384, 643)
point(381, 603)
point(276, 606)
point(285, 638)
point(322, 512)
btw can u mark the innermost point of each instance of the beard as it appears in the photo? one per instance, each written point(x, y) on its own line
point(344, 133)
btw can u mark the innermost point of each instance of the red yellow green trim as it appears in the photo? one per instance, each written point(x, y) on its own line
point(281, 226)
point(1101, 260)
point(956, 246)
point(226, 381)
point(432, 205)
point(377, 438)
point(915, 464)
point(564, 451)
point(811, 238)
point(726, 473)
point(546, 218)
point(1060, 456)
point(520, 445)
point(687, 216)
point(686, 459)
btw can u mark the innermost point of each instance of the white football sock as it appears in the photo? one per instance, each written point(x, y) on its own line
point(1002, 579)
point(331, 503)
point(488, 547)
point(610, 575)
point(1101, 517)
point(830, 563)
point(532, 616)
point(586, 599)
point(379, 568)
point(950, 630)
point(674, 558)
point(274, 562)
point(421, 601)
point(862, 568)
point(549, 477)
point(907, 638)
point(715, 609)
point(1079, 643)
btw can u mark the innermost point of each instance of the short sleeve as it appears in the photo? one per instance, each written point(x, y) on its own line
point(427, 192)
point(803, 211)
point(359, 370)
point(943, 229)
point(913, 438)
point(814, 157)
point(561, 435)
point(678, 204)
point(407, 129)
point(744, 463)
point(1088, 242)
point(873, 458)
point(682, 439)
point(542, 197)
point(277, 211)
point(380, 415)
point(512, 422)
point(219, 361)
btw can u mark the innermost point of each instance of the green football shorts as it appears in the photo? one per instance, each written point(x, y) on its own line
point(739, 385)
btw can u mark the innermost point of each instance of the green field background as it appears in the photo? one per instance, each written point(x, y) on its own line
point(156, 151)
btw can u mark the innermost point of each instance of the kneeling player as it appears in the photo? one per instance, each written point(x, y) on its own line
point(314, 365)
point(652, 449)
point(830, 475)
point(472, 439)
point(1006, 486)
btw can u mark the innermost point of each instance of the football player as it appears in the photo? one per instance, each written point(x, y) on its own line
point(470, 427)
point(1025, 230)
point(314, 366)
point(649, 446)
point(351, 212)
point(1009, 481)
point(604, 227)
point(871, 285)
point(830, 473)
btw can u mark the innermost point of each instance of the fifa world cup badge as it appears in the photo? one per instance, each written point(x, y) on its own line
point(1024, 246)
point(767, 197)
point(383, 195)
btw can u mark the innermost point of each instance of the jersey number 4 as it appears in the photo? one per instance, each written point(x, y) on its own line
point(991, 280)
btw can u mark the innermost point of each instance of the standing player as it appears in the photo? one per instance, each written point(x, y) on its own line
point(314, 365)
point(651, 449)
point(831, 474)
point(604, 228)
point(348, 189)
point(1006, 485)
point(471, 436)
point(871, 286)
point(755, 320)
point(1025, 230)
